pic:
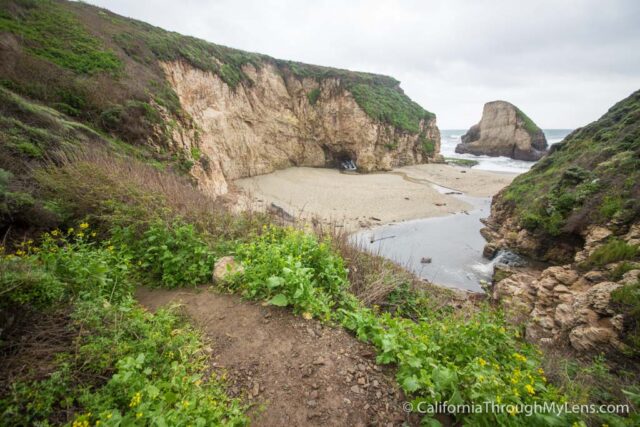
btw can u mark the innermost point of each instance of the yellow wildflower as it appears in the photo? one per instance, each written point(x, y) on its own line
point(110, 247)
point(512, 410)
point(20, 252)
point(530, 389)
point(519, 357)
point(502, 330)
point(498, 400)
point(70, 230)
point(139, 415)
point(94, 234)
point(482, 362)
point(55, 232)
point(307, 315)
point(80, 234)
point(84, 225)
point(135, 400)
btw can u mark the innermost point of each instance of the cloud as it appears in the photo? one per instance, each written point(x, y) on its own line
point(563, 62)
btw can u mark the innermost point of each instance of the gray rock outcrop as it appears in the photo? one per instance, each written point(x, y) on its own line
point(504, 130)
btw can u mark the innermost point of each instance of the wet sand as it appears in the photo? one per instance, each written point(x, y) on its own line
point(360, 201)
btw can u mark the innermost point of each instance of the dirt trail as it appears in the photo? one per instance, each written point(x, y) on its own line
point(301, 372)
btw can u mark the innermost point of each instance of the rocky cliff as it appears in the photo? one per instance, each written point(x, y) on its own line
point(504, 130)
point(578, 211)
point(275, 123)
point(213, 112)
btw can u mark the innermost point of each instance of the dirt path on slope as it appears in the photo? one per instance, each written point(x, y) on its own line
point(296, 371)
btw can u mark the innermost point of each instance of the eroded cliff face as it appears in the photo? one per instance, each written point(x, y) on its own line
point(272, 124)
point(569, 304)
point(578, 211)
point(504, 131)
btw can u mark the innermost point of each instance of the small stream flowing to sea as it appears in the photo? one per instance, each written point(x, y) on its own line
point(451, 244)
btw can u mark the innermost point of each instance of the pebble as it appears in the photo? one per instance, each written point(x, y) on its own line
point(319, 361)
point(361, 381)
point(355, 389)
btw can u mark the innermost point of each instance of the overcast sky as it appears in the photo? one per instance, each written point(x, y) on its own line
point(563, 62)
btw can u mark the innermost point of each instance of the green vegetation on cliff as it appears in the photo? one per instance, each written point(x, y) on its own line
point(592, 177)
point(104, 69)
point(529, 124)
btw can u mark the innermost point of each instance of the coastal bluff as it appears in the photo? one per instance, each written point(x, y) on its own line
point(504, 130)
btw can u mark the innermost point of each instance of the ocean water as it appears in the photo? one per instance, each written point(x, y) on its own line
point(451, 138)
point(453, 242)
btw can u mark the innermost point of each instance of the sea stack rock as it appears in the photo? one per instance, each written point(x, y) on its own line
point(504, 130)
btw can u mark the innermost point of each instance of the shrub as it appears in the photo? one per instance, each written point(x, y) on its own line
point(627, 298)
point(169, 255)
point(613, 251)
point(610, 206)
point(153, 369)
point(63, 267)
point(313, 95)
point(126, 366)
point(427, 145)
point(289, 267)
point(23, 283)
point(460, 361)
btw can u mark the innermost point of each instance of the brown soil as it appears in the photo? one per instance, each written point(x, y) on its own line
point(297, 372)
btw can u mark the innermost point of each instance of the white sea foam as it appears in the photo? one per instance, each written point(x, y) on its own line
point(451, 138)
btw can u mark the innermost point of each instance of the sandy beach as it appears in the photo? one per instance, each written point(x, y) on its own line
point(358, 201)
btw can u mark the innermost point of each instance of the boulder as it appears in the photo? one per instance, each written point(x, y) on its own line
point(224, 267)
point(504, 130)
point(593, 338)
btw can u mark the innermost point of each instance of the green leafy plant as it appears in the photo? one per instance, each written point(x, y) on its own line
point(289, 267)
point(313, 95)
point(171, 255)
point(127, 366)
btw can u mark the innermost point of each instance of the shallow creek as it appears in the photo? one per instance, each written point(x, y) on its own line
point(453, 243)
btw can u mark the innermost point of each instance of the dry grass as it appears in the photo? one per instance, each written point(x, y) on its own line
point(374, 278)
point(105, 188)
point(590, 380)
point(30, 343)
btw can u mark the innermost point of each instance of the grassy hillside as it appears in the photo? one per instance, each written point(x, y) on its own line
point(592, 177)
point(102, 68)
point(94, 203)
